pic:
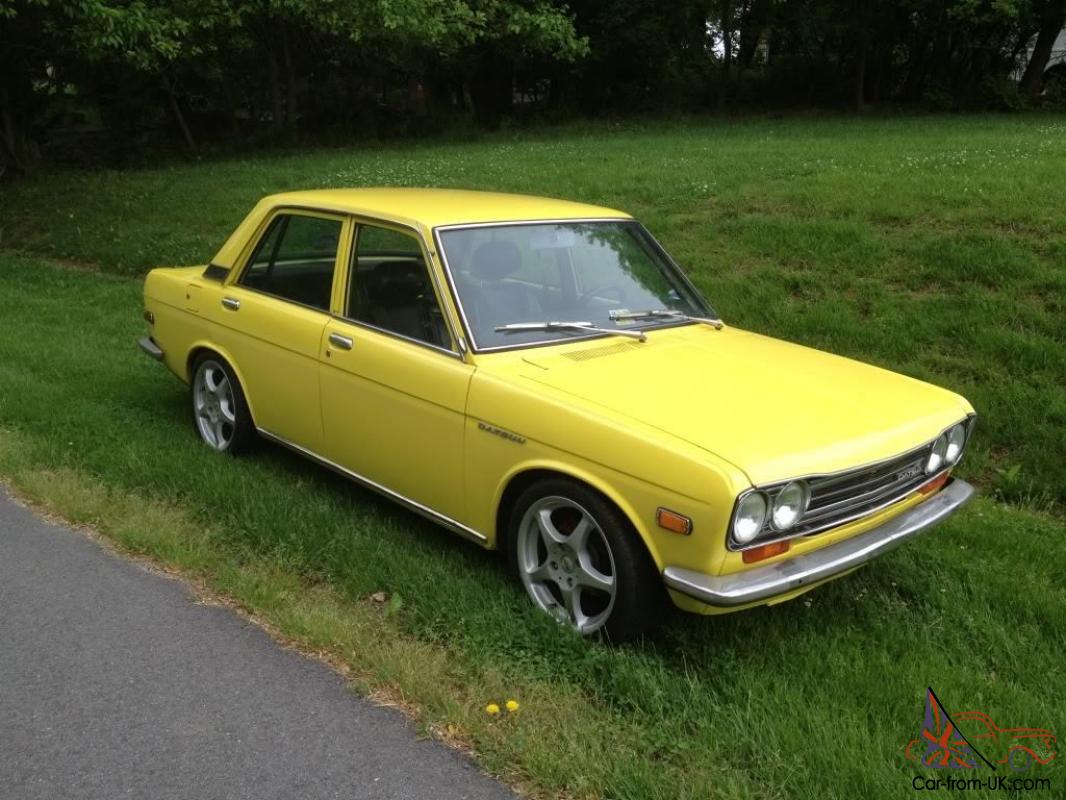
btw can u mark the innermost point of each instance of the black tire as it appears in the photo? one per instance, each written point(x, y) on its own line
point(239, 435)
point(639, 602)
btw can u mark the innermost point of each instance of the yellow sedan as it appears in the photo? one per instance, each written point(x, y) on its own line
point(540, 377)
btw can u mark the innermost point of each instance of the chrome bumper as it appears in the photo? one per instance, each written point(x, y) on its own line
point(150, 347)
point(767, 582)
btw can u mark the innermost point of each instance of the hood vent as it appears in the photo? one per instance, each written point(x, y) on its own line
point(597, 352)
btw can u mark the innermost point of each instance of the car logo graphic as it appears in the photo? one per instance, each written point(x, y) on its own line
point(909, 472)
point(943, 745)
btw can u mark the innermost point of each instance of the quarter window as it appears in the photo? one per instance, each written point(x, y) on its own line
point(389, 287)
point(295, 258)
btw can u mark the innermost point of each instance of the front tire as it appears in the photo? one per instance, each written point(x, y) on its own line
point(580, 561)
point(220, 412)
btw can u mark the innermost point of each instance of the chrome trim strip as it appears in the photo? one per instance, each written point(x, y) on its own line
point(148, 345)
point(509, 223)
point(412, 505)
point(453, 226)
point(763, 583)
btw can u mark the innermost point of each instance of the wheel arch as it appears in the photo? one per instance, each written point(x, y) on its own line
point(526, 475)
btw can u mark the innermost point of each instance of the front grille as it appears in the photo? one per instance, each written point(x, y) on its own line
point(840, 498)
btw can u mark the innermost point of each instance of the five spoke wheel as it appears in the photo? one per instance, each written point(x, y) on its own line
point(214, 405)
point(566, 563)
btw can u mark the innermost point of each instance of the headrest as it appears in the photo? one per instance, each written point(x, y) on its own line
point(494, 261)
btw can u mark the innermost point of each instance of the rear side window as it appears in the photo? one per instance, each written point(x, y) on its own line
point(294, 260)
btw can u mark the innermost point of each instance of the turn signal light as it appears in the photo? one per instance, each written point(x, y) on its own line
point(673, 522)
point(935, 484)
point(765, 551)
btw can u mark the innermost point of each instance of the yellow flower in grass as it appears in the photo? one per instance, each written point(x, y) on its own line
point(492, 709)
point(512, 705)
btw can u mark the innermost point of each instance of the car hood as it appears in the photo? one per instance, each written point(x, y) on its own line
point(773, 409)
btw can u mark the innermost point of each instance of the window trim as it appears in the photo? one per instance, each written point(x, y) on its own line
point(264, 230)
point(342, 316)
point(546, 342)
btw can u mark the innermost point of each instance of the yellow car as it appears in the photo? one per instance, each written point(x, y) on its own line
point(540, 377)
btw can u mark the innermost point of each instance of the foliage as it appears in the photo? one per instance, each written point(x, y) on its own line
point(107, 79)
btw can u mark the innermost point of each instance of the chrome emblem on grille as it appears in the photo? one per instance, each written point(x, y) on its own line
point(910, 472)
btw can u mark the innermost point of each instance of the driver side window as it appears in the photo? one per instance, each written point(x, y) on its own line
point(389, 287)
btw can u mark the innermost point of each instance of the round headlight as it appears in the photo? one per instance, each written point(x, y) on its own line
point(790, 504)
point(749, 519)
point(936, 457)
point(956, 440)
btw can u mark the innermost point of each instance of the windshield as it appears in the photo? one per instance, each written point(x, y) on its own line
point(603, 274)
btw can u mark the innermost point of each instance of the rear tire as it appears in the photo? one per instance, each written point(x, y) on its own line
point(580, 561)
point(220, 411)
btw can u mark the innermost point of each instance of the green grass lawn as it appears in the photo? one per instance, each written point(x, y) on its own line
point(933, 246)
point(936, 247)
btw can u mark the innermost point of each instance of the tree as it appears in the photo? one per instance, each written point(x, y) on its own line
point(1052, 19)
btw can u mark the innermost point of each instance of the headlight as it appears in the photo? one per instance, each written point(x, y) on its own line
point(749, 519)
point(956, 441)
point(790, 504)
point(936, 457)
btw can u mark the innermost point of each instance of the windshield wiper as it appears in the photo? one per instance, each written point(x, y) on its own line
point(587, 327)
point(669, 313)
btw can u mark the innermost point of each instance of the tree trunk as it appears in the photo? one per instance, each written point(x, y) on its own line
point(275, 90)
point(492, 87)
point(10, 136)
point(1052, 22)
point(291, 109)
point(862, 44)
point(860, 79)
point(752, 24)
point(18, 150)
point(231, 102)
point(727, 52)
point(179, 117)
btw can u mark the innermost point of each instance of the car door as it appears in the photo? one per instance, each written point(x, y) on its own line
point(394, 383)
point(273, 315)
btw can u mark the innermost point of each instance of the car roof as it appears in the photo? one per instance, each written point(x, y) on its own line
point(436, 207)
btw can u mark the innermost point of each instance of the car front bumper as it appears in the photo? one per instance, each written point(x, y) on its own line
point(790, 575)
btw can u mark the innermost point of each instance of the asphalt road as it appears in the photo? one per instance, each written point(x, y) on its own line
point(114, 684)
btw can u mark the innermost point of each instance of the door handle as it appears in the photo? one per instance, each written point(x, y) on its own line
point(341, 342)
point(232, 303)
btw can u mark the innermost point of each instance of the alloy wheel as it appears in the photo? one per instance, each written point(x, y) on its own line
point(213, 404)
point(566, 563)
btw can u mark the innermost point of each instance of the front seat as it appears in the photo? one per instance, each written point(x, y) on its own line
point(496, 299)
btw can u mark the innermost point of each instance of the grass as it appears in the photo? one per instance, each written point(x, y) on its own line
point(934, 246)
